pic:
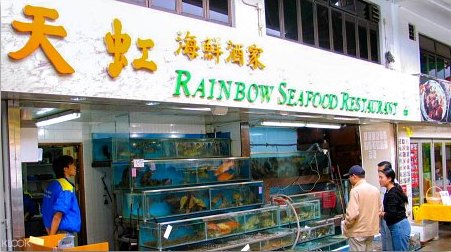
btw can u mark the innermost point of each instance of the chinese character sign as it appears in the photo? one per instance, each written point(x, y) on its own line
point(211, 49)
point(143, 63)
point(254, 57)
point(187, 46)
point(117, 44)
point(235, 53)
point(38, 37)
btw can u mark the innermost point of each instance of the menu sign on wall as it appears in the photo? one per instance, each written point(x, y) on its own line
point(373, 141)
point(435, 99)
point(378, 144)
point(405, 179)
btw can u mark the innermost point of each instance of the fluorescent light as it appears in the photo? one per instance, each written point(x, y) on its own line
point(77, 99)
point(306, 116)
point(152, 103)
point(58, 118)
point(283, 124)
point(44, 111)
point(323, 125)
point(196, 109)
point(345, 118)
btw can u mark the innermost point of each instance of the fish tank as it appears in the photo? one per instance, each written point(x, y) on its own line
point(187, 231)
point(199, 199)
point(121, 148)
point(145, 148)
point(306, 210)
point(265, 240)
point(188, 172)
point(317, 229)
point(288, 165)
point(329, 201)
point(132, 206)
point(121, 175)
point(322, 244)
point(102, 147)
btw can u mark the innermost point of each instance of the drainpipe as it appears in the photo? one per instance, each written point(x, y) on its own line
point(258, 7)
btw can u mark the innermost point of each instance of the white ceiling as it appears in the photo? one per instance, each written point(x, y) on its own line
point(437, 11)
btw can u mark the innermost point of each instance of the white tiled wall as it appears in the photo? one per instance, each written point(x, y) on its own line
point(151, 123)
point(235, 135)
point(67, 132)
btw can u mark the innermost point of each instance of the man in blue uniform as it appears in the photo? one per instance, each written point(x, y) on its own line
point(60, 210)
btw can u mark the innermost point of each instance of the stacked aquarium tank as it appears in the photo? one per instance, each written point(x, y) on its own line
point(180, 232)
point(305, 211)
point(201, 199)
point(190, 194)
point(142, 147)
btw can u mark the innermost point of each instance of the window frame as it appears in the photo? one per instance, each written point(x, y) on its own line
point(178, 10)
point(433, 54)
point(346, 16)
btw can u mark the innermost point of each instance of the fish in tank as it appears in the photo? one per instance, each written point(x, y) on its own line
point(225, 171)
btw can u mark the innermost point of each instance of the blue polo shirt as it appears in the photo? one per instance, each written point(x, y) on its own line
point(60, 197)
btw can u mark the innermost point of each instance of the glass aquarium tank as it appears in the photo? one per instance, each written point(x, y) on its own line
point(102, 148)
point(186, 172)
point(121, 175)
point(170, 234)
point(329, 206)
point(132, 206)
point(187, 231)
point(265, 240)
point(317, 229)
point(287, 165)
point(198, 199)
point(323, 244)
point(158, 148)
point(306, 210)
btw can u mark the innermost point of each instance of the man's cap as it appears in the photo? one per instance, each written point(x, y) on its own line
point(355, 170)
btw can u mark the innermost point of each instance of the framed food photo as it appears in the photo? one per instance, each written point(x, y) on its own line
point(447, 86)
point(434, 100)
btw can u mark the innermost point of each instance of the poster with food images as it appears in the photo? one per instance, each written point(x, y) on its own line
point(435, 98)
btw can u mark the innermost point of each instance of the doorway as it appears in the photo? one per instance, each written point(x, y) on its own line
point(431, 163)
point(37, 175)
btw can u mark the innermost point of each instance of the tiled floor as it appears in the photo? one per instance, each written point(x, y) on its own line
point(444, 241)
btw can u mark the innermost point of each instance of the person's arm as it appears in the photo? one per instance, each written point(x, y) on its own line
point(55, 223)
point(352, 211)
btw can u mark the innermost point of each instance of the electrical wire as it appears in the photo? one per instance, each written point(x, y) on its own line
point(289, 201)
point(316, 170)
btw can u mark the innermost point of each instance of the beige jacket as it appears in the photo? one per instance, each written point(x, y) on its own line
point(362, 212)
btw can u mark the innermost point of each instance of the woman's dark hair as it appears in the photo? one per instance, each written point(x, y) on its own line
point(390, 173)
point(60, 163)
point(385, 164)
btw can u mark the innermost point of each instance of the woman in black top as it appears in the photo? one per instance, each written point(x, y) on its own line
point(394, 213)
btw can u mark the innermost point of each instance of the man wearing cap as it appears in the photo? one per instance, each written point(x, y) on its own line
point(362, 213)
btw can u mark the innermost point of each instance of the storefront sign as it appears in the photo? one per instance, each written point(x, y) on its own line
point(109, 53)
point(435, 99)
point(210, 88)
point(211, 49)
point(38, 37)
